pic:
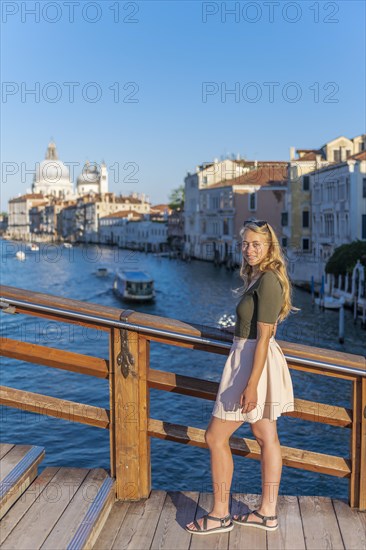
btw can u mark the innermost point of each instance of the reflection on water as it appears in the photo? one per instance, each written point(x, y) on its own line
point(195, 292)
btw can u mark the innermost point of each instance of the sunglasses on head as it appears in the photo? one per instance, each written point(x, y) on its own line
point(259, 223)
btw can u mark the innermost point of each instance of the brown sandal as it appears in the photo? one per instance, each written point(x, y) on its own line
point(204, 531)
point(260, 525)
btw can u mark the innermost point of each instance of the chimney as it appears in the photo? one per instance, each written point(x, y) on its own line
point(255, 164)
point(292, 153)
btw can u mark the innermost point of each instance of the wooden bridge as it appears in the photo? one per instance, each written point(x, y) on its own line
point(77, 508)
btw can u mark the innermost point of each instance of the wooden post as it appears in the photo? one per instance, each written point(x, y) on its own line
point(129, 406)
point(362, 502)
point(357, 482)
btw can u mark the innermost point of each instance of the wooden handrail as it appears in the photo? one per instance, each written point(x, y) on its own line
point(130, 379)
point(306, 352)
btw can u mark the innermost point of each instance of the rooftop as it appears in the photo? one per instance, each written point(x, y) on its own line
point(123, 214)
point(265, 176)
point(28, 196)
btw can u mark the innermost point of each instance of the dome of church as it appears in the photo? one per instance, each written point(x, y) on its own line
point(89, 175)
point(51, 170)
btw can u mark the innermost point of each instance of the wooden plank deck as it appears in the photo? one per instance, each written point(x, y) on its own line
point(305, 522)
point(18, 468)
point(62, 508)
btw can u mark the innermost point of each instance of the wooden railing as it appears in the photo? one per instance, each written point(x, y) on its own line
point(130, 379)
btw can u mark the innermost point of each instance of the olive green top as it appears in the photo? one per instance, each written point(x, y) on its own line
point(261, 302)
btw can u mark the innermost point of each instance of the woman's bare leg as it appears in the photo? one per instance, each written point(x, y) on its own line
point(265, 432)
point(217, 438)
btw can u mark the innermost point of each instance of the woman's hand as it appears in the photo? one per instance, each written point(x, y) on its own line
point(248, 399)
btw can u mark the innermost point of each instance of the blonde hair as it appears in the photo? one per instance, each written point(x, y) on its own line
point(273, 261)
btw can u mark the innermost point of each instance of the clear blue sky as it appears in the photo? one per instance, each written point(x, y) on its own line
point(170, 51)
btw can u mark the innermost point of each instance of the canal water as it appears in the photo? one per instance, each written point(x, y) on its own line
point(194, 292)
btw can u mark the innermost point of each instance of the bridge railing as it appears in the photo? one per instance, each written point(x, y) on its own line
point(130, 378)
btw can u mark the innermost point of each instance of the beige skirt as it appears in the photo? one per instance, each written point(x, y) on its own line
point(275, 392)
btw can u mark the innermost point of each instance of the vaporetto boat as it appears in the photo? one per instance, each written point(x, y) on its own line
point(134, 285)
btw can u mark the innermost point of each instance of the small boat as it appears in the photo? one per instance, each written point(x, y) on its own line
point(101, 272)
point(67, 245)
point(32, 247)
point(20, 255)
point(133, 285)
point(330, 302)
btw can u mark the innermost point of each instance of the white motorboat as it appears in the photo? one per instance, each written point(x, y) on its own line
point(102, 272)
point(20, 255)
point(67, 245)
point(32, 247)
point(329, 302)
point(137, 286)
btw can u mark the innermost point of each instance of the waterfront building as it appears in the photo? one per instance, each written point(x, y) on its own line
point(297, 217)
point(176, 229)
point(147, 235)
point(214, 221)
point(43, 217)
point(160, 212)
point(51, 213)
point(207, 174)
point(258, 194)
point(91, 208)
point(130, 229)
point(338, 205)
point(67, 222)
point(3, 223)
point(112, 227)
point(19, 226)
point(38, 212)
point(37, 217)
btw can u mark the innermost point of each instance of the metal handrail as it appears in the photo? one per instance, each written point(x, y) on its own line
point(13, 302)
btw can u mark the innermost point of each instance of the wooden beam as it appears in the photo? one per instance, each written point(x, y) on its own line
point(57, 358)
point(53, 406)
point(295, 458)
point(204, 389)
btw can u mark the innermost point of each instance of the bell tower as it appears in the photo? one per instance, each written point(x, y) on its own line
point(103, 182)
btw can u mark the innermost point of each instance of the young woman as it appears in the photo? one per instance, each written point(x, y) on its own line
point(256, 385)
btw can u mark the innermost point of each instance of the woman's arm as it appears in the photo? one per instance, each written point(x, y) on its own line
point(264, 332)
point(249, 396)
